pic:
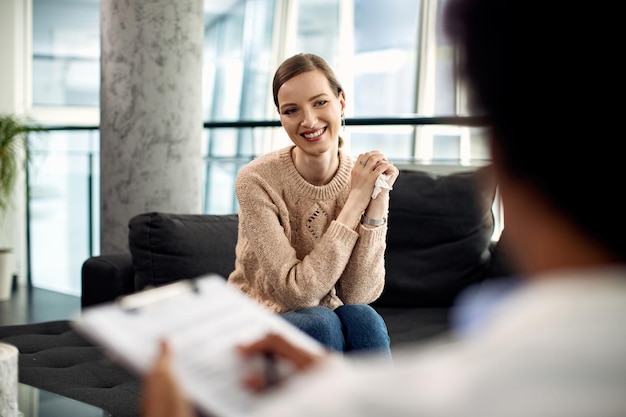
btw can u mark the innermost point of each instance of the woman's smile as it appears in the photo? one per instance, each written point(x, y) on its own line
point(312, 136)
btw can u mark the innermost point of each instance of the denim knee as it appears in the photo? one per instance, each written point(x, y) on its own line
point(319, 322)
point(364, 329)
point(360, 313)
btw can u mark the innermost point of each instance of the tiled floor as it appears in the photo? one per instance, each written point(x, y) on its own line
point(37, 305)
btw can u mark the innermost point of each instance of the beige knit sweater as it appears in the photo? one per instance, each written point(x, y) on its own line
point(291, 253)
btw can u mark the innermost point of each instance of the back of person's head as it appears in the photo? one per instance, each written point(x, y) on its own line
point(542, 73)
point(299, 64)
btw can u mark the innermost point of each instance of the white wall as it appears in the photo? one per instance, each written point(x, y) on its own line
point(14, 74)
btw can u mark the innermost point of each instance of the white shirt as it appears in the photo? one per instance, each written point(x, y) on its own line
point(556, 346)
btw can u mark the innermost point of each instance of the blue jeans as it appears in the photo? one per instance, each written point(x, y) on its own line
point(349, 328)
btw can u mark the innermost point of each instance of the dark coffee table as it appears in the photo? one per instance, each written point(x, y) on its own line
point(35, 402)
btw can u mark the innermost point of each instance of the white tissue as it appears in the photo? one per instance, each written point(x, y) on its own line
point(381, 184)
point(8, 380)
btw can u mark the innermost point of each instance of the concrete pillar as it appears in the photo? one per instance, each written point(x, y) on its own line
point(150, 112)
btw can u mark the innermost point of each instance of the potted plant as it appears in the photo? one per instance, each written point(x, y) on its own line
point(14, 156)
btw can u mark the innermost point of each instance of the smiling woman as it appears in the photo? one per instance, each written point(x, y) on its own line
point(311, 115)
point(376, 48)
point(302, 251)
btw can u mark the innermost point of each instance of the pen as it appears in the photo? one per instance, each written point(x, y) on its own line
point(270, 364)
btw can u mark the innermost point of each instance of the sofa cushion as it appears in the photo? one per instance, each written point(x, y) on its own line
point(439, 238)
point(53, 357)
point(169, 247)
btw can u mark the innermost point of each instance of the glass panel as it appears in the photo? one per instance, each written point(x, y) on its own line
point(447, 148)
point(318, 29)
point(386, 41)
point(61, 178)
point(220, 197)
point(479, 145)
point(445, 93)
point(66, 53)
point(237, 53)
point(396, 142)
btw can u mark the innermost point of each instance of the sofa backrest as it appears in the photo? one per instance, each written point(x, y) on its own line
point(439, 240)
point(169, 247)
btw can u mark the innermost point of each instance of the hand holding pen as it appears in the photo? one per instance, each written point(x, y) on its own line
point(163, 397)
point(275, 349)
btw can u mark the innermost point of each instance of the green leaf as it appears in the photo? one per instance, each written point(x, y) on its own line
point(14, 152)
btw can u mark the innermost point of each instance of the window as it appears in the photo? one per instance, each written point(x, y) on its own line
point(63, 182)
point(66, 53)
point(390, 56)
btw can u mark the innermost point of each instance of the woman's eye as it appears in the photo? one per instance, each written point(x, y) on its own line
point(289, 111)
point(320, 103)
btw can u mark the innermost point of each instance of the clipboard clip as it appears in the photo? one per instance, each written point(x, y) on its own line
point(136, 301)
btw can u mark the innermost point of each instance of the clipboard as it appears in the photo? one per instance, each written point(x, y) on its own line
point(203, 320)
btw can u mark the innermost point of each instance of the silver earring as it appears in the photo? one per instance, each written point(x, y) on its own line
point(343, 122)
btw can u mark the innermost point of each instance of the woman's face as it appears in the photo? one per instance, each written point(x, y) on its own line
point(310, 112)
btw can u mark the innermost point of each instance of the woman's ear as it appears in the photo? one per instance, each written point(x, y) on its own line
point(342, 101)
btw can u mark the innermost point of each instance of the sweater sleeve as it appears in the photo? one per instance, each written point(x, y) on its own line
point(272, 270)
point(364, 277)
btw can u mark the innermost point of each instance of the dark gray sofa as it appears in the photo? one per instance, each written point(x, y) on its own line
point(439, 242)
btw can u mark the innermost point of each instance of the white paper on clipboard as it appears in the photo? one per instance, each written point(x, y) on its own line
point(203, 319)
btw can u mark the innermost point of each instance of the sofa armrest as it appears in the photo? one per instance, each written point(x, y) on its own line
point(106, 277)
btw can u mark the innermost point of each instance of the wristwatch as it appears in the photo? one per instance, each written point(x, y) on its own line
point(373, 222)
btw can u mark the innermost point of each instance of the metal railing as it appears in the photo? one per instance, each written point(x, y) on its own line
point(89, 159)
